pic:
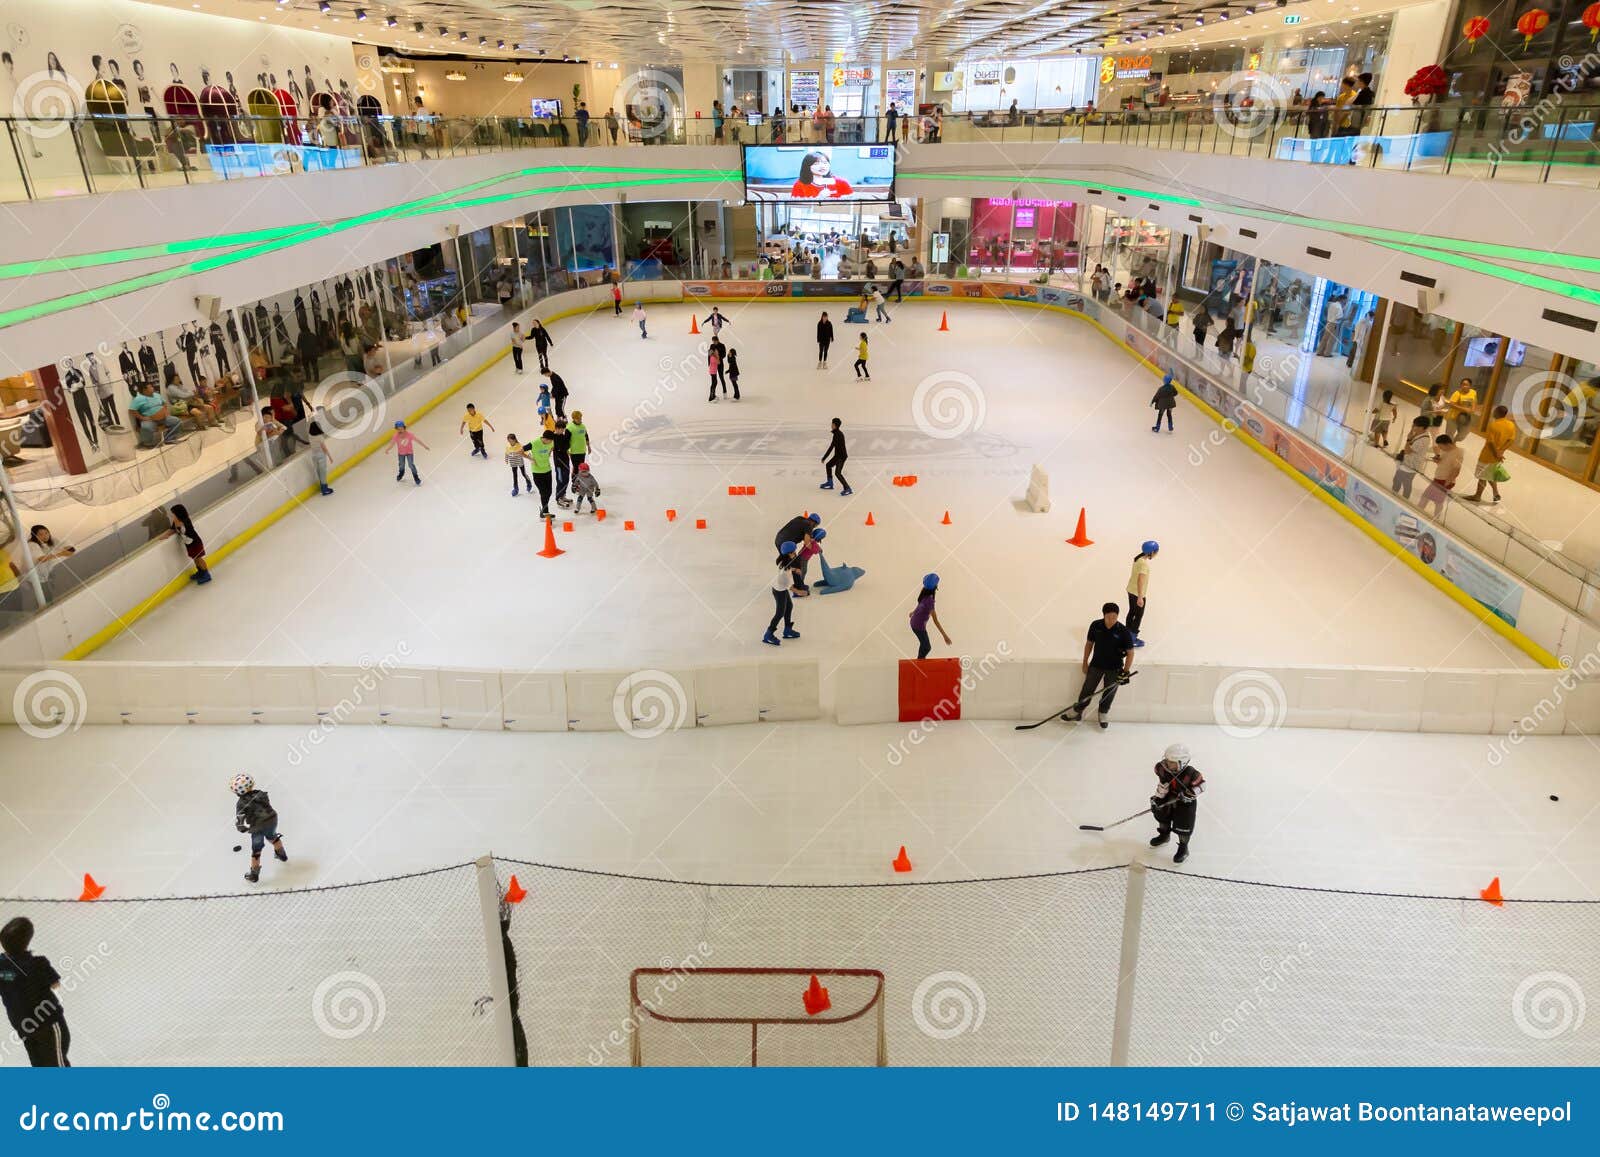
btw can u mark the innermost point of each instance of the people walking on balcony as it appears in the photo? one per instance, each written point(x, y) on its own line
point(1332, 319)
point(611, 124)
point(1411, 457)
point(1345, 116)
point(1490, 470)
point(582, 117)
point(1464, 403)
point(1449, 458)
point(892, 122)
point(1317, 116)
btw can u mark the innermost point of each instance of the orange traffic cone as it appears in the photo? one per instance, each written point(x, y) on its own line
point(515, 892)
point(699, 524)
point(815, 997)
point(869, 519)
point(672, 515)
point(1491, 894)
point(694, 324)
point(627, 524)
point(91, 890)
point(1080, 537)
point(945, 521)
point(600, 514)
point(902, 862)
point(567, 527)
point(551, 550)
point(944, 322)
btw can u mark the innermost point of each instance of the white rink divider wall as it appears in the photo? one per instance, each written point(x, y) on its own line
point(1243, 700)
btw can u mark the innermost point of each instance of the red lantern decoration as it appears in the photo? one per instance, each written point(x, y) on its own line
point(1477, 28)
point(1591, 19)
point(1531, 23)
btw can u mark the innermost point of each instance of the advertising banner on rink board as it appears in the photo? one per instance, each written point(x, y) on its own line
point(1313, 463)
point(1439, 551)
point(734, 289)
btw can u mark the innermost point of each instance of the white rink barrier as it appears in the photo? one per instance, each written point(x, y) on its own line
point(65, 695)
point(1244, 700)
point(1249, 700)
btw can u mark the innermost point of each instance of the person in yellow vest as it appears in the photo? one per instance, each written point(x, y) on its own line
point(579, 450)
point(1464, 401)
point(1174, 313)
point(541, 452)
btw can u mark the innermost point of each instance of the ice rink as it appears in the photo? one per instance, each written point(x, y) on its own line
point(1252, 568)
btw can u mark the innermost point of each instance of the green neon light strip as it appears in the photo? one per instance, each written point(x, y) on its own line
point(161, 277)
point(1366, 232)
point(175, 248)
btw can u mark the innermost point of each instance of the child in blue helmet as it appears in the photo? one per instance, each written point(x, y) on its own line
point(1139, 587)
point(404, 443)
point(783, 601)
point(922, 612)
point(1164, 402)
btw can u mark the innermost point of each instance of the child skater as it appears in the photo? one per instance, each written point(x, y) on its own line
point(515, 458)
point(183, 526)
point(782, 600)
point(861, 359)
point(923, 611)
point(584, 486)
point(1164, 402)
point(473, 423)
point(404, 443)
point(255, 814)
point(732, 368)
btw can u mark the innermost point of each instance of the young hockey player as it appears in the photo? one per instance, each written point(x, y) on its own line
point(1178, 786)
point(255, 814)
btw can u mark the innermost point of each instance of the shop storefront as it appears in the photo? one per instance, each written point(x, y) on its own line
point(1528, 50)
point(1022, 235)
point(1127, 247)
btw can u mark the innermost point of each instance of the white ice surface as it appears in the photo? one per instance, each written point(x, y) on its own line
point(1252, 569)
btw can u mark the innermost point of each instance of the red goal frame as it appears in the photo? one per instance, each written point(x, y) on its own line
point(873, 1005)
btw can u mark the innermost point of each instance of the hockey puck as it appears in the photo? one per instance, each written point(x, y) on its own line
point(1555, 799)
point(238, 847)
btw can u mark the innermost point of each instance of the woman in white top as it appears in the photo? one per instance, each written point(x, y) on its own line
point(44, 553)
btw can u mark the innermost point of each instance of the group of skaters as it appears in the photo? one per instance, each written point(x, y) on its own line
point(721, 362)
point(825, 342)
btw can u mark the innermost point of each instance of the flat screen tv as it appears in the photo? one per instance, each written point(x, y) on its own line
point(819, 173)
point(546, 107)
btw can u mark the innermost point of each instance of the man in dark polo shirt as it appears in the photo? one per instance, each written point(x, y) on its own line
point(28, 988)
point(1107, 656)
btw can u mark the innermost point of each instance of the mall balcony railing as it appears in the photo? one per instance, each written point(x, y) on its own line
point(95, 153)
point(1271, 387)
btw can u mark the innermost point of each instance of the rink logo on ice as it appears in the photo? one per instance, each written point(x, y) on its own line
point(650, 703)
point(347, 1005)
point(1248, 704)
point(1547, 1005)
point(697, 442)
point(1273, 979)
point(349, 405)
point(49, 703)
point(948, 404)
point(948, 1004)
point(647, 417)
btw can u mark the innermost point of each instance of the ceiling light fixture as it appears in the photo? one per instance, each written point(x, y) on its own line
point(513, 77)
point(455, 74)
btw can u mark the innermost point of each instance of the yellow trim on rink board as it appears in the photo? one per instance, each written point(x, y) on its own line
point(123, 621)
point(1515, 637)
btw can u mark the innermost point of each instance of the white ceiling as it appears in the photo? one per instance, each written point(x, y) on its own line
point(771, 31)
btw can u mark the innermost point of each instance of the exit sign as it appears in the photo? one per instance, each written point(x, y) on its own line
point(1292, 18)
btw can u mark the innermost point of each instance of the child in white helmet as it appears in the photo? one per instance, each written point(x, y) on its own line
point(255, 814)
point(1175, 802)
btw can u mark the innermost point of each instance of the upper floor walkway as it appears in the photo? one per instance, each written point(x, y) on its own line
point(1554, 142)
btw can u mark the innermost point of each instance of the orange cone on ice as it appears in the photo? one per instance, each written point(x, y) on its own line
point(567, 526)
point(91, 890)
point(694, 324)
point(672, 515)
point(1080, 537)
point(944, 322)
point(1490, 895)
point(515, 892)
point(869, 519)
point(627, 524)
point(902, 862)
point(815, 997)
point(945, 521)
point(699, 524)
point(551, 550)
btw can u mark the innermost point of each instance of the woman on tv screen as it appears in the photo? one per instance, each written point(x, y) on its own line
point(816, 178)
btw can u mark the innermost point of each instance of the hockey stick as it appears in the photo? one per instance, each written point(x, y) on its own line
point(1078, 706)
point(1118, 824)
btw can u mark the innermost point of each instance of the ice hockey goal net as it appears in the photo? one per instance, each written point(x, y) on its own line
point(755, 1016)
